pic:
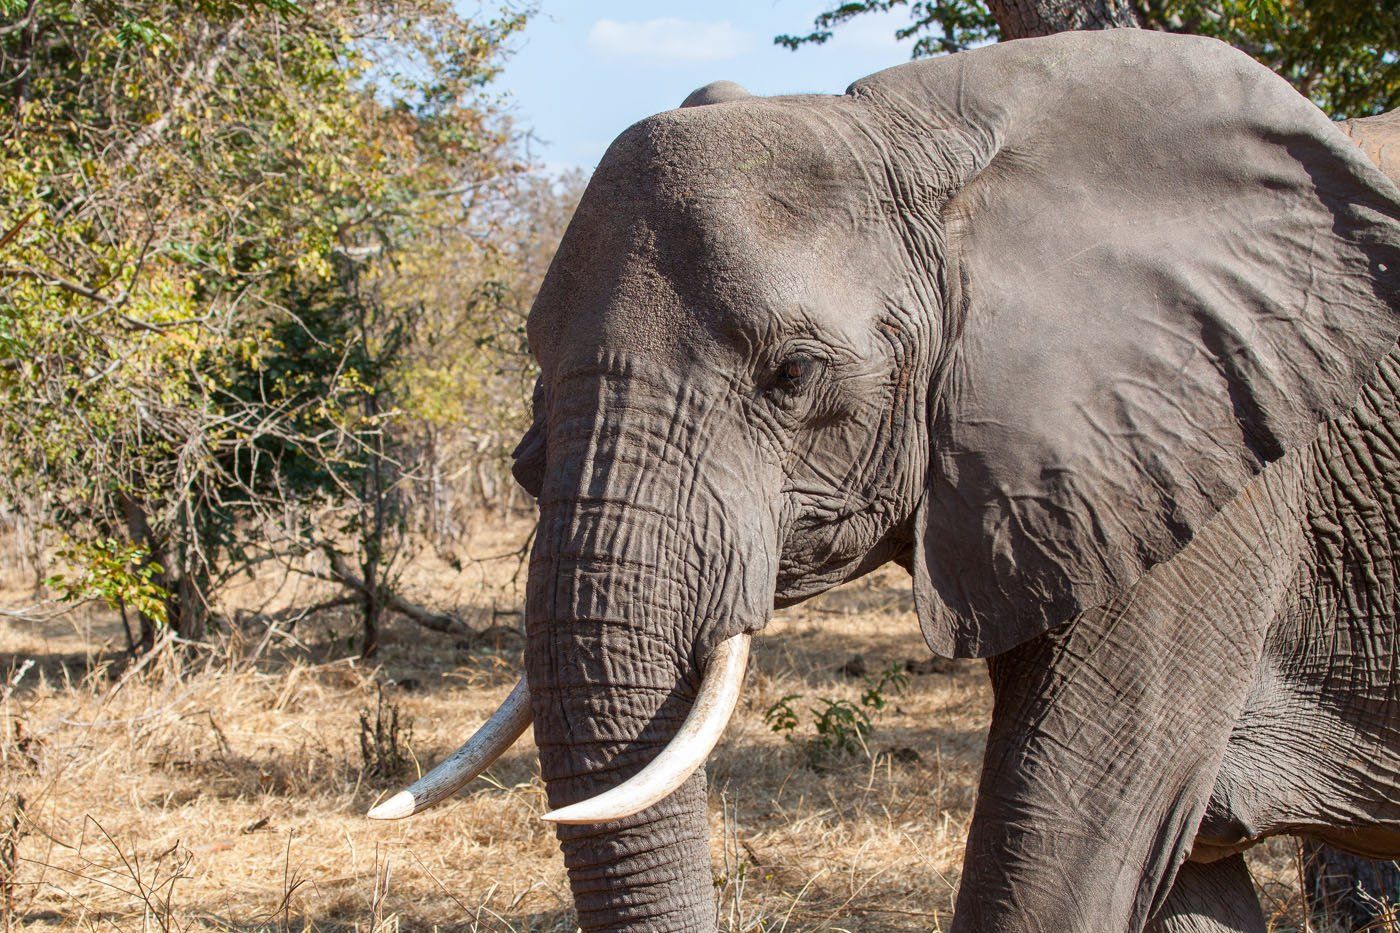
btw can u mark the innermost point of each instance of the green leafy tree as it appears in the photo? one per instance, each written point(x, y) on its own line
point(195, 197)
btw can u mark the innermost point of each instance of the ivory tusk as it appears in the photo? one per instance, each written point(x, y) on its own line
point(478, 753)
point(687, 750)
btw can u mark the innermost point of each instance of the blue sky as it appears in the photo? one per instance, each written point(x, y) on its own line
point(584, 71)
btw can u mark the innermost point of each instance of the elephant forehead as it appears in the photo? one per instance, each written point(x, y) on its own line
point(712, 221)
point(812, 152)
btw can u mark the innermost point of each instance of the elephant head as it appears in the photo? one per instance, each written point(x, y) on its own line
point(1023, 319)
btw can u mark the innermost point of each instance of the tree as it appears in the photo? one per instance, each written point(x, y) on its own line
point(1021, 18)
point(190, 189)
point(471, 354)
point(1342, 54)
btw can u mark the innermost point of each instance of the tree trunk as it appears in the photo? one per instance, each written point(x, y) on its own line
point(1021, 19)
point(187, 613)
point(138, 530)
point(1347, 892)
point(372, 529)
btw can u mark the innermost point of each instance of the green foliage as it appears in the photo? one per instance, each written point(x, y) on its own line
point(839, 726)
point(1344, 55)
point(781, 717)
point(893, 678)
point(232, 236)
point(119, 574)
point(937, 26)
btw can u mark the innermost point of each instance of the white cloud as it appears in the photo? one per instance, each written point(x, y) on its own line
point(668, 40)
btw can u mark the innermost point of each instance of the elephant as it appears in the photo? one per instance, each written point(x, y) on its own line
point(1094, 334)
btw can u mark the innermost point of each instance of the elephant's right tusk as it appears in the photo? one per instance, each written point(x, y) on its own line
point(480, 751)
point(687, 750)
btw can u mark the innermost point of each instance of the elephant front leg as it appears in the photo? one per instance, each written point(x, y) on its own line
point(1217, 897)
point(1090, 799)
point(1078, 831)
point(1108, 733)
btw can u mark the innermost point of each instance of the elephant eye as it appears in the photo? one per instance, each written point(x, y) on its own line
point(794, 373)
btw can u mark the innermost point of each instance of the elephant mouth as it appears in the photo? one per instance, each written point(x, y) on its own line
point(686, 752)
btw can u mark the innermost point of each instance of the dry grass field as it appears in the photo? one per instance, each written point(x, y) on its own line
point(229, 792)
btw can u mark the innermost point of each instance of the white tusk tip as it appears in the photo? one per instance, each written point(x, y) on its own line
point(396, 807)
point(570, 815)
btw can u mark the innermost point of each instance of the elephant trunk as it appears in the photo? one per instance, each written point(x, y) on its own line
point(648, 871)
point(639, 569)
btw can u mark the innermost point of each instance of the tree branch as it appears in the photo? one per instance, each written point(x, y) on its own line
point(187, 92)
point(437, 621)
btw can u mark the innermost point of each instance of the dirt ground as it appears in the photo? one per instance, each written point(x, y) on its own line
point(229, 793)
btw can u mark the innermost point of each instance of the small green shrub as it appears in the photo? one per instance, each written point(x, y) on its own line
point(840, 726)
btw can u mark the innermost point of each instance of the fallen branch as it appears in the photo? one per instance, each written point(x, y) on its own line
point(437, 621)
point(290, 616)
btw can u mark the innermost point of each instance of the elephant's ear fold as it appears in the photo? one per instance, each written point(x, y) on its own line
point(1168, 269)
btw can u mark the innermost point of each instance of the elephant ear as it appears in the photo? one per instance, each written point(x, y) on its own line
point(1167, 268)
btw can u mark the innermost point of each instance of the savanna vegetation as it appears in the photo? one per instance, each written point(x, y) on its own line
point(264, 267)
point(229, 792)
point(264, 273)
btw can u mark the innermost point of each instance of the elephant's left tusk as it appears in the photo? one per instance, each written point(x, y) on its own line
point(481, 750)
point(687, 750)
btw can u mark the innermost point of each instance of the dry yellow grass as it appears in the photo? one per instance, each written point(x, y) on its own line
point(230, 794)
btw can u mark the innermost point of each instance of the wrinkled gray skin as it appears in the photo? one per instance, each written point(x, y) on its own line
point(1092, 333)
